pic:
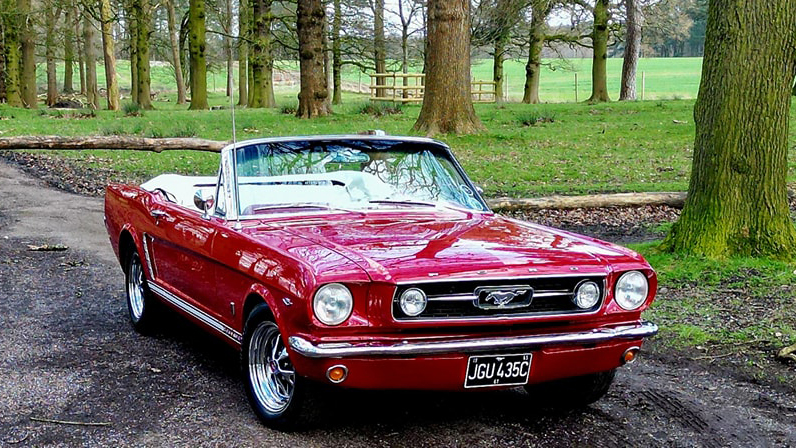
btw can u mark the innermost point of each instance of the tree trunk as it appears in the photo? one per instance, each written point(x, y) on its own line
point(196, 47)
point(28, 64)
point(133, 53)
point(632, 49)
point(447, 104)
point(111, 83)
point(379, 45)
point(12, 55)
point(497, 66)
point(243, 53)
point(337, 55)
point(52, 14)
point(261, 60)
point(540, 9)
point(599, 37)
point(2, 59)
point(228, 46)
point(737, 199)
point(91, 62)
point(69, 50)
point(143, 25)
point(314, 91)
point(174, 39)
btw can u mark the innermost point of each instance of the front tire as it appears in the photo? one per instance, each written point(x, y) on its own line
point(274, 390)
point(572, 393)
point(141, 306)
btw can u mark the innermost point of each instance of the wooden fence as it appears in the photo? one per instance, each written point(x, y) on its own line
point(410, 87)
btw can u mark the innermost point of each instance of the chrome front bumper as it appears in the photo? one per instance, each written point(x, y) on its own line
point(348, 350)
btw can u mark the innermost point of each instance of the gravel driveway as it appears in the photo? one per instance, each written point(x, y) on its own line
point(69, 354)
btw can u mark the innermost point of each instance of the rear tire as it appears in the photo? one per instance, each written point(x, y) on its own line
point(572, 393)
point(141, 306)
point(275, 391)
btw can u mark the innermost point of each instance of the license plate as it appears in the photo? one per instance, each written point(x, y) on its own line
point(497, 370)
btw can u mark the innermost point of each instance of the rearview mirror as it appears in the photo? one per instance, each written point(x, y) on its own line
point(202, 203)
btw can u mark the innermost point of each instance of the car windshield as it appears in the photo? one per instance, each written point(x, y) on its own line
point(349, 175)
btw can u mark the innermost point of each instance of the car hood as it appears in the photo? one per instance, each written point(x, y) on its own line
point(454, 244)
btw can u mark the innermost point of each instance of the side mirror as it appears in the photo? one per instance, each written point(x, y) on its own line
point(202, 203)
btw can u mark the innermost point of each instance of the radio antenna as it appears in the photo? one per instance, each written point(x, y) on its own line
point(235, 157)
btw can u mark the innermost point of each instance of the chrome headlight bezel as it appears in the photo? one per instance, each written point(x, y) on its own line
point(631, 290)
point(333, 304)
point(585, 303)
point(411, 308)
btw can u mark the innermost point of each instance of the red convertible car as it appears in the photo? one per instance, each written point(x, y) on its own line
point(373, 262)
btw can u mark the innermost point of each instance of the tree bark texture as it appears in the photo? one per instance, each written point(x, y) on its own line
point(632, 48)
point(337, 55)
point(447, 103)
point(81, 66)
point(133, 52)
point(143, 14)
point(379, 44)
point(314, 91)
point(196, 47)
point(28, 62)
point(111, 143)
point(228, 46)
point(69, 50)
point(243, 53)
point(92, 96)
point(599, 67)
point(540, 9)
point(52, 13)
point(2, 61)
point(12, 56)
point(174, 39)
point(497, 66)
point(261, 59)
point(108, 55)
point(737, 197)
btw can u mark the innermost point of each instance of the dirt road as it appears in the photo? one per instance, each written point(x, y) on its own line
point(69, 354)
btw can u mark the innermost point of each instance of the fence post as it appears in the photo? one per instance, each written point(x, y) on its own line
point(576, 87)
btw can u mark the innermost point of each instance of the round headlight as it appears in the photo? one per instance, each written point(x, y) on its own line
point(631, 290)
point(413, 302)
point(587, 295)
point(333, 304)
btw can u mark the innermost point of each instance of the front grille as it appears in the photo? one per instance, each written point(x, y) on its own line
point(463, 299)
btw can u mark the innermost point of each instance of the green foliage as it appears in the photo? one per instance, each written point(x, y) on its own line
point(532, 118)
point(288, 109)
point(380, 108)
point(132, 110)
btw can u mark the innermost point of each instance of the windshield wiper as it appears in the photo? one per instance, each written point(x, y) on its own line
point(402, 202)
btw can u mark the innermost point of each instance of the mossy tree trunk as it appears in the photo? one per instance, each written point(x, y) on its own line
point(12, 55)
point(133, 52)
point(2, 60)
point(627, 91)
point(143, 12)
point(243, 53)
point(69, 49)
point(28, 61)
point(314, 93)
point(447, 103)
point(196, 48)
point(540, 9)
point(737, 199)
point(497, 66)
point(108, 55)
point(599, 67)
point(261, 59)
point(174, 39)
point(92, 96)
point(379, 45)
point(337, 54)
point(51, 17)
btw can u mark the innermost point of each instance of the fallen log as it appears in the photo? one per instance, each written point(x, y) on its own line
point(113, 142)
point(672, 199)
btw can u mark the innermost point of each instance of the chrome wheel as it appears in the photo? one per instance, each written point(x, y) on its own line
point(135, 288)
point(272, 377)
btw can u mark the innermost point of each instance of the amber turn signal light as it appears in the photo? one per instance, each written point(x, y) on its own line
point(337, 374)
point(630, 355)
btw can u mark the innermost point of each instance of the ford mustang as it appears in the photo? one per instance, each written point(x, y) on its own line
point(373, 262)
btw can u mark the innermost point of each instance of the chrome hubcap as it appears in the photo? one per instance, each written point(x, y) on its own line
point(135, 289)
point(271, 374)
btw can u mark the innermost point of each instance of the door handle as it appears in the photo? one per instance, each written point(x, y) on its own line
point(159, 214)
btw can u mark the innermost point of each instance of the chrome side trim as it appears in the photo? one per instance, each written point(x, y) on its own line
point(513, 278)
point(404, 348)
point(196, 312)
point(146, 255)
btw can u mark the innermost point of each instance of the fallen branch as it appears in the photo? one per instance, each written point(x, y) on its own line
point(112, 143)
point(788, 353)
point(66, 422)
point(672, 199)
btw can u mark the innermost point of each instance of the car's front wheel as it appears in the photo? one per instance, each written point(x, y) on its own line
point(569, 393)
point(275, 391)
point(140, 303)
